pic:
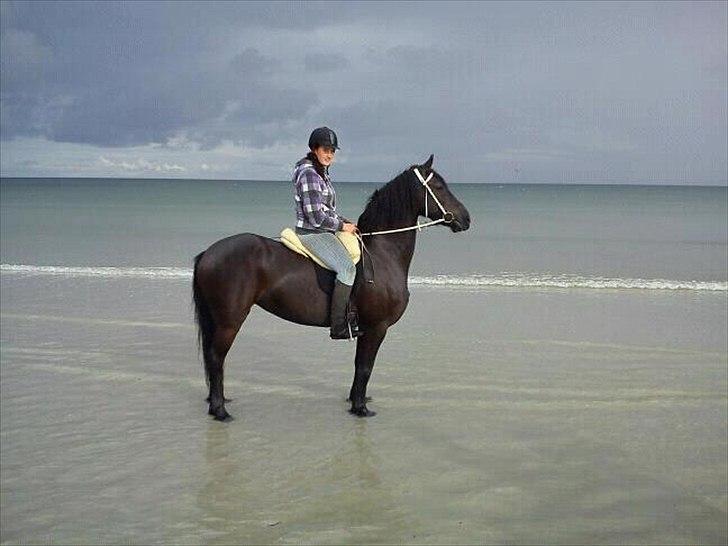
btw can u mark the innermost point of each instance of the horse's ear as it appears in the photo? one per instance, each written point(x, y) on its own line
point(428, 164)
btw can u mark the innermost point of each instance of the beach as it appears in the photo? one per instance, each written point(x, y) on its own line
point(559, 376)
point(606, 426)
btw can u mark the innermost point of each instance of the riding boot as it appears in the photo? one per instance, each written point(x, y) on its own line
point(340, 328)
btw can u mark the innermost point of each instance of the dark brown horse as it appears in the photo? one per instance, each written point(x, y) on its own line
point(239, 271)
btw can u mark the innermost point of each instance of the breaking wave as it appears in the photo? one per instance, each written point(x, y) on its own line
point(519, 280)
point(99, 271)
point(509, 280)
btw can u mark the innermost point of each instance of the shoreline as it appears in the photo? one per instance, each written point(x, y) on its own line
point(473, 281)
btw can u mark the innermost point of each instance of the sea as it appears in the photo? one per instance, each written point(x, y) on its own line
point(560, 375)
point(648, 237)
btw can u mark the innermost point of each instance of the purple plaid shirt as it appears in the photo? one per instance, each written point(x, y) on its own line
point(315, 200)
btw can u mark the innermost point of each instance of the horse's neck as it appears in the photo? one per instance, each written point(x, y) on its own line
point(395, 248)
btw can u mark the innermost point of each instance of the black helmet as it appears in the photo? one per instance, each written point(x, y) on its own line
point(323, 136)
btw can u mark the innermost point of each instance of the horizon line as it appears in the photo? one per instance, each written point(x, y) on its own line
point(718, 185)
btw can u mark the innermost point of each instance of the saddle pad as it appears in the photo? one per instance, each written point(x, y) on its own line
point(349, 240)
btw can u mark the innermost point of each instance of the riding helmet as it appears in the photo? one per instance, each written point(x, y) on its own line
point(323, 136)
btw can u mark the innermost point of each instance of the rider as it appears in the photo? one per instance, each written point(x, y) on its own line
point(317, 222)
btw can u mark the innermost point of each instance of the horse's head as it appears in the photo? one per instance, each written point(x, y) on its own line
point(456, 215)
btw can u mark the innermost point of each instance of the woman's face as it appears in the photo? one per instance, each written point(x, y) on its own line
point(325, 155)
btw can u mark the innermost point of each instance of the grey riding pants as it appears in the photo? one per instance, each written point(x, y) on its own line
point(327, 248)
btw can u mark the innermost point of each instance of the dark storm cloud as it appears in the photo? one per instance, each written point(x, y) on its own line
point(124, 74)
point(547, 91)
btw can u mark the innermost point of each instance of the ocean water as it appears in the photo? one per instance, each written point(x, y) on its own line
point(559, 377)
point(522, 235)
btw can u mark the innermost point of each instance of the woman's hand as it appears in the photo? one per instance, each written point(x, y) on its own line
point(349, 228)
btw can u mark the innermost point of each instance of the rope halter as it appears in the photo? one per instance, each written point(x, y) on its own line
point(447, 217)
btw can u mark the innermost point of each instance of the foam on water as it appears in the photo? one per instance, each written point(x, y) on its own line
point(99, 271)
point(521, 280)
point(506, 279)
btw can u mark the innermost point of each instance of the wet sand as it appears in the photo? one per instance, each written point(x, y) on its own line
point(504, 416)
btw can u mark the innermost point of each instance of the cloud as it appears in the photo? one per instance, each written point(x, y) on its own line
point(325, 62)
point(136, 106)
point(632, 90)
point(262, 104)
point(24, 60)
point(229, 160)
point(141, 166)
point(250, 62)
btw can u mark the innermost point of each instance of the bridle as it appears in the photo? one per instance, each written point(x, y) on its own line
point(447, 217)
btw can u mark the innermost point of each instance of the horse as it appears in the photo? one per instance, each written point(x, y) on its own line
point(247, 269)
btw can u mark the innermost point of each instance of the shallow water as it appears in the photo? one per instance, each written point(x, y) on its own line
point(560, 375)
point(517, 415)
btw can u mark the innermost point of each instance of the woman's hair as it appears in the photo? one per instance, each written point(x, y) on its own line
point(320, 169)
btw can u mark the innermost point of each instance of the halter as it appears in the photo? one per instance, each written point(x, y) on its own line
point(447, 216)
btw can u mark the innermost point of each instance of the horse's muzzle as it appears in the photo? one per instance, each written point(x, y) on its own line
point(459, 224)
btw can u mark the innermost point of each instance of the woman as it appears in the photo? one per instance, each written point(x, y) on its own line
point(317, 222)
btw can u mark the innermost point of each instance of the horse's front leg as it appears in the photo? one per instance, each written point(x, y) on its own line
point(366, 352)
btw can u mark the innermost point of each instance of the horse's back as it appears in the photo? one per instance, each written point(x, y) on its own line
point(263, 271)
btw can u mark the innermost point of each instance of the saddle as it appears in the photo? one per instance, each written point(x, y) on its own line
point(349, 240)
point(325, 277)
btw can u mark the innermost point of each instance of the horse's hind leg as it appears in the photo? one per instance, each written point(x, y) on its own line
point(214, 357)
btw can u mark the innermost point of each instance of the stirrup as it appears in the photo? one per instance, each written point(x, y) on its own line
point(352, 318)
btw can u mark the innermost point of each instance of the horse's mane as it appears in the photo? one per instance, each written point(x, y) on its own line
point(389, 205)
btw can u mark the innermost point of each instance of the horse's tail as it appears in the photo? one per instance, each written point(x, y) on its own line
point(203, 317)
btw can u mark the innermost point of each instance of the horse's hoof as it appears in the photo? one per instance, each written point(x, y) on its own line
point(366, 399)
point(362, 412)
point(220, 414)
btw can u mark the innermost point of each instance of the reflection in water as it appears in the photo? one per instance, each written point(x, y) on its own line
point(332, 491)
point(223, 496)
point(368, 462)
point(346, 497)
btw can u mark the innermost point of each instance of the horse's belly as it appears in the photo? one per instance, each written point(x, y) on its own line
point(310, 309)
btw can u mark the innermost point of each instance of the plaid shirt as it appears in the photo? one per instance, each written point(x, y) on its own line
point(315, 200)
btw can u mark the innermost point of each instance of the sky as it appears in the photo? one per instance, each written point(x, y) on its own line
point(516, 92)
